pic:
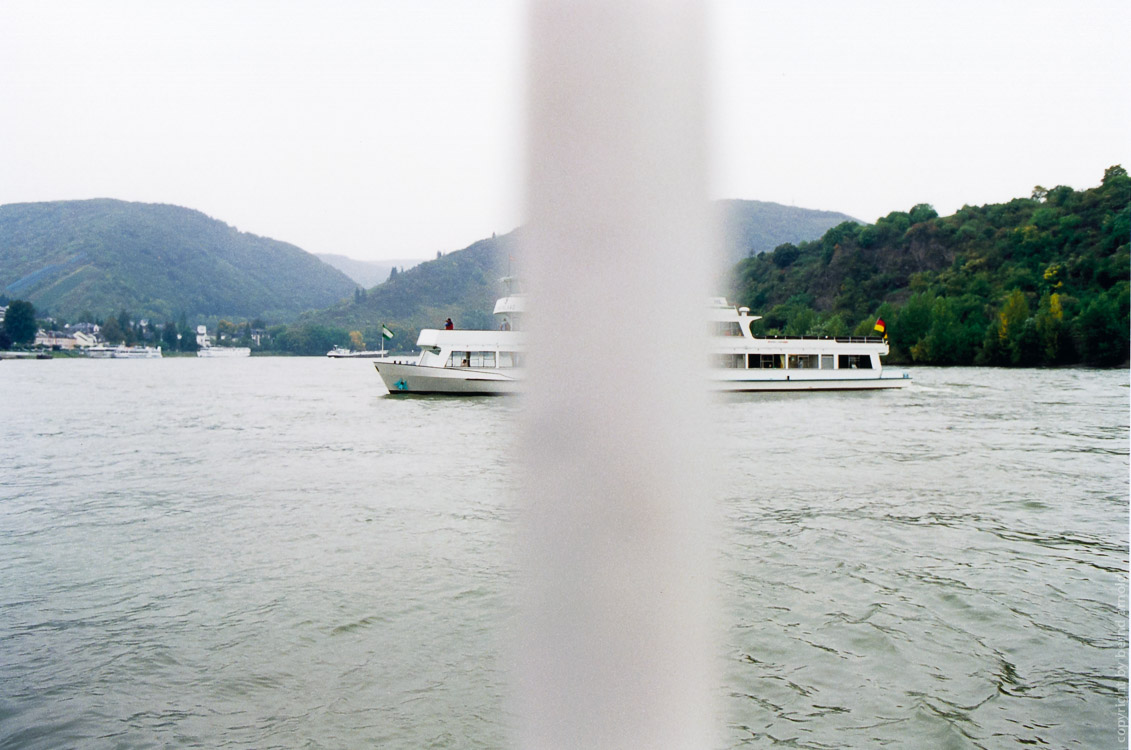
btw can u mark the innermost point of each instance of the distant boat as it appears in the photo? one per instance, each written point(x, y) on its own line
point(122, 351)
point(339, 352)
point(205, 348)
point(223, 351)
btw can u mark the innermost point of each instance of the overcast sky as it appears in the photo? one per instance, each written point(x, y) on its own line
point(395, 129)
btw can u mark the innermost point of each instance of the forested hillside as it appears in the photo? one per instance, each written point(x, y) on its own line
point(462, 285)
point(157, 261)
point(1043, 280)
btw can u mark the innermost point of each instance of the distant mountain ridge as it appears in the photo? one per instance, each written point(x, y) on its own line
point(367, 273)
point(755, 227)
point(464, 284)
point(155, 260)
point(159, 261)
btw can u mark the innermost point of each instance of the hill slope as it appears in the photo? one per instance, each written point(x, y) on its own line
point(101, 256)
point(753, 227)
point(462, 285)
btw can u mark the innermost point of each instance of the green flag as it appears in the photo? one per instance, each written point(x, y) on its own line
point(386, 332)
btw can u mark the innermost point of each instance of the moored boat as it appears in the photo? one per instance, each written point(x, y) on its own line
point(122, 351)
point(339, 352)
point(206, 349)
point(223, 351)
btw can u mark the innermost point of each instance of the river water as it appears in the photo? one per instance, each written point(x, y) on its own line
point(272, 553)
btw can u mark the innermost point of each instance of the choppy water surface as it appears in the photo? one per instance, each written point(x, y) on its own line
point(270, 553)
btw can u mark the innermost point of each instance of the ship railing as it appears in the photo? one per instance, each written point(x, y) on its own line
point(838, 339)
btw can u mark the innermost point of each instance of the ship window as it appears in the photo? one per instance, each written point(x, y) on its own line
point(484, 359)
point(459, 359)
point(506, 359)
point(765, 362)
point(728, 361)
point(803, 361)
point(826, 361)
point(854, 362)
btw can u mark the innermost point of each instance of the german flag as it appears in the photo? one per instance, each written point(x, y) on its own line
point(879, 325)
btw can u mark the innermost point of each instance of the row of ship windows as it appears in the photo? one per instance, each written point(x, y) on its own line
point(485, 359)
point(793, 361)
point(734, 361)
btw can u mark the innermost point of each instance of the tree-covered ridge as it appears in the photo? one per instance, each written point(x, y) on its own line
point(462, 285)
point(1043, 280)
point(159, 261)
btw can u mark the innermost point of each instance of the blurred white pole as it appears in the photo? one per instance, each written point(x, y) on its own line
point(617, 649)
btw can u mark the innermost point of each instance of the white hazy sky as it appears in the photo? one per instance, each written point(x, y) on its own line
point(394, 128)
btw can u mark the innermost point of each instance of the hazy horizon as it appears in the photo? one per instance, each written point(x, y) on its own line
point(390, 130)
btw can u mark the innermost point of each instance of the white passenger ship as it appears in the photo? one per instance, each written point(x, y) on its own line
point(491, 362)
point(121, 351)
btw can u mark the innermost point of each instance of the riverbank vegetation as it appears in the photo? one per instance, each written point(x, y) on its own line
point(1038, 281)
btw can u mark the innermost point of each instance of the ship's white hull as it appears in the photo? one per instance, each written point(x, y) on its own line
point(805, 381)
point(124, 352)
point(338, 354)
point(223, 351)
point(401, 378)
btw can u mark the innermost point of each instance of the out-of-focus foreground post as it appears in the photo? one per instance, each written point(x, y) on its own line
point(616, 647)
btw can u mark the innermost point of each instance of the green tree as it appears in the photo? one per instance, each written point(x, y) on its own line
point(784, 255)
point(112, 331)
point(169, 336)
point(911, 324)
point(128, 334)
point(226, 330)
point(1102, 337)
point(19, 322)
point(1050, 329)
point(923, 212)
point(944, 342)
point(1011, 330)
